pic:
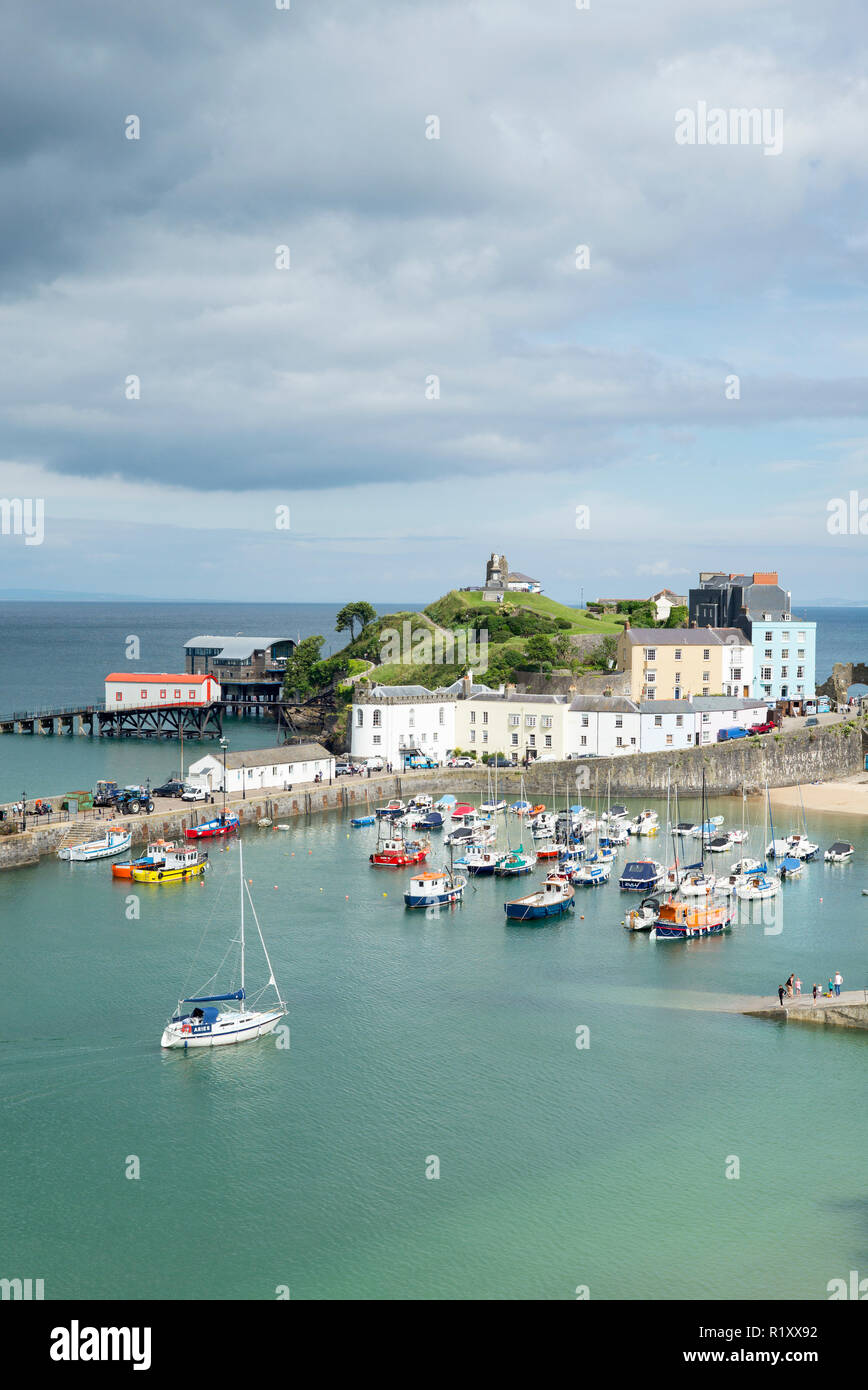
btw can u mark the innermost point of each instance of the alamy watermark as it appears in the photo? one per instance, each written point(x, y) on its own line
point(741, 125)
point(23, 516)
point(847, 516)
point(466, 647)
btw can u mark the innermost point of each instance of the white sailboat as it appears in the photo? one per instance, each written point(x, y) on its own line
point(213, 1026)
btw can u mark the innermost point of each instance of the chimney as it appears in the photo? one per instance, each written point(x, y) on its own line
point(466, 685)
point(627, 625)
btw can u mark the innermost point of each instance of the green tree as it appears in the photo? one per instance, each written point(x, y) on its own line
point(359, 612)
point(298, 681)
point(540, 650)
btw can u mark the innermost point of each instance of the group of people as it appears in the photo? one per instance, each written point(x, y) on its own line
point(793, 988)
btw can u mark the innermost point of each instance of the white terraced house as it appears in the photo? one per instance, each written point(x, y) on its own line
point(394, 721)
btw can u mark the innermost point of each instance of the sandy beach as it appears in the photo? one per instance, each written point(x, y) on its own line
point(848, 797)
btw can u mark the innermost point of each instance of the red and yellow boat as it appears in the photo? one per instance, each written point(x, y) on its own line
point(155, 856)
point(399, 853)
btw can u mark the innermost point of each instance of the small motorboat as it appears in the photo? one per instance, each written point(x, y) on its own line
point(265, 823)
point(462, 810)
point(646, 823)
point(542, 827)
point(114, 841)
point(643, 917)
point(684, 828)
point(641, 876)
point(432, 821)
point(435, 888)
point(697, 885)
point(800, 847)
point(547, 851)
point(156, 854)
point(707, 829)
point(553, 899)
point(214, 828)
point(514, 863)
point(790, 867)
point(718, 844)
point(489, 808)
point(592, 874)
point(477, 833)
point(177, 866)
point(359, 821)
point(839, 853)
point(391, 810)
point(480, 860)
point(776, 849)
point(399, 853)
point(420, 803)
point(615, 813)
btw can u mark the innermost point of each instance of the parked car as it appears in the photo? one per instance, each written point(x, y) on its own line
point(546, 758)
point(194, 794)
point(169, 789)
point(812, 722)
point(500, 761)
point(461, 762)
point(573, 756)
point(342, 769)
point(761, 728)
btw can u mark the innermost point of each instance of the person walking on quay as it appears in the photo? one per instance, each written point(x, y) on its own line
point(797, 986)
point(790, 986)
point(839, 980)
point(781, 995)
point(816, 992)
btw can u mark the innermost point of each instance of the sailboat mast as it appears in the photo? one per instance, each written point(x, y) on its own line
point(241, 871)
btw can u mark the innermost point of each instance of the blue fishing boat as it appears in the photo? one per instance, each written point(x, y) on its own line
point(436, 888)
point(432, 821)
point(553, 899)
point(363, 820)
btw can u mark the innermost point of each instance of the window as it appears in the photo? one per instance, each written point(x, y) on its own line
point(548, 740)
point(162, 694)
point(360, 718)
point(736, 673)
point(706, 718)
point(619, 742)
point(433, 737)
point(632, 740)
point(422, 738)
point(706, 690)
point(783, 673)
point(473, 716)
point(530, 721)
point(768, 637)
point(412, 718)
point(442, 713)
point(767, 690)
point(274, 772)
point(119, 694)
point(706, 654)
point(800, 671)
point(801, 636)
point(619, 721)
point(378, 738)
point(484, 735)
point(668, 738)
point(485, 716)
point(785, 651)
point(514, 720)
point(679, 721)
point(584, 740)
point(514, 739)
point(658, 721)
point(800, 652)
point(766, 673)
point(677, 653)
point(650, 653)
point(704, 735)
point(531, 738)
point(144, 694)
point(546, 721)
point(785, 636)
point(706, 675)
point(768, 653)
point(651, 677)
point(191, 694)
point(472, 735)
point(649, 694)
point(584, 721)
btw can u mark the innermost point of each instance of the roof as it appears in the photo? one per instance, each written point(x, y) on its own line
point(476, 688)
point(411, 692)
point(705, 704)
point(679, 636)
point(265, 757)
point(132, 677)
point(603, 704)
point(515, 697)
point(237, 647)
point(521, 578)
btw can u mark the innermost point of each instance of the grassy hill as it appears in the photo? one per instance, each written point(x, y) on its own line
point(453, 607)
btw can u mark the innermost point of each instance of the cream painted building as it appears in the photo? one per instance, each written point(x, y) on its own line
point(512, 724)
point(674, 663)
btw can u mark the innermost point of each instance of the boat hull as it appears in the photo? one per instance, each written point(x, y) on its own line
point(453, 895)
point(532, 912)
point(398, 861)
point(220, 1034)
point(168, 875)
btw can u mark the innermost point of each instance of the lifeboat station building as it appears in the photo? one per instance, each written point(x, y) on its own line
point(149, 690)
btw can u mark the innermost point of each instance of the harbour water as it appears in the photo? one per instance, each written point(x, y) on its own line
point(412, 1037)
point(416, 1037)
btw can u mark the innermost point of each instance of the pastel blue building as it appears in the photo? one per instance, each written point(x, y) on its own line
point(784, 658)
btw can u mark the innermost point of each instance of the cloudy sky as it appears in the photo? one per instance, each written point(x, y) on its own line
point(606, 385)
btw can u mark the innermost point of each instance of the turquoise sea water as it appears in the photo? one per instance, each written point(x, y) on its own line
point(414, 1037)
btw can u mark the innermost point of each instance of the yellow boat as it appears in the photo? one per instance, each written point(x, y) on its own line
point(177, 865)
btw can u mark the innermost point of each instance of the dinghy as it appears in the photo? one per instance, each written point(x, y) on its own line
point(839, 853)
point(114, 841)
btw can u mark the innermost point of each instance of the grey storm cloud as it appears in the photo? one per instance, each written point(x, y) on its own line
point(409, 257)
